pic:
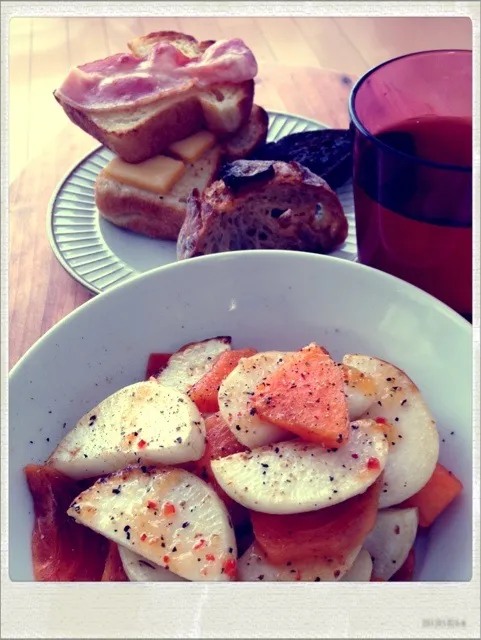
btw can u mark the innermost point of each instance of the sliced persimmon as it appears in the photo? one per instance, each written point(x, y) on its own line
point(205, 392)
point(114, 569)
point(305, 395)
point(156, 363)
point(332, 532)
point(220, 443)
point(62, 550)
point(436, 495)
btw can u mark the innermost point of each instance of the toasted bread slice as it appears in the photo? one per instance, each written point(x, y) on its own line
point(189, 46)
point(263, 205)
point(137, 133)
point(151, 214)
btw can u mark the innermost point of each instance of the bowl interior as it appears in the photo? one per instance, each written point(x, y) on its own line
point(266, 300)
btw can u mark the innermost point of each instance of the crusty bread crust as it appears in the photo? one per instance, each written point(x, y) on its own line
point(189, 45)
point(148, 213)
point(285, 207)
point(246, 140)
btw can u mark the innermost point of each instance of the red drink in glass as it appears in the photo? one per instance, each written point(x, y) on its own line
point(412, 118)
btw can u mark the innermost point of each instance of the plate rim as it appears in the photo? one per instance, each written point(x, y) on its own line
point(90, 287)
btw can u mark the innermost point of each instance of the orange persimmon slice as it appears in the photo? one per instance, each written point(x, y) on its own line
point(305, 395)
point(114, 569)
point(62, 550)
point(436, 495)
point(205, 392)
point(221, 442)
point(332, 532)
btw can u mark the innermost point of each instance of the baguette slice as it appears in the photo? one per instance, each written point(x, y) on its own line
point(151, 214)
point(263, 205)
point(137, 133)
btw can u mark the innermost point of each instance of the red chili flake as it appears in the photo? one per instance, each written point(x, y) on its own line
point(168, 509)
point(355, 456)
point(143, 537)
point(199, 544)
point(210, 557)
point(381, 420)
point(142, 444)
point(373, 463)
point(397, 530)
point(152, 505)
point(166, 559)
point(230, 567)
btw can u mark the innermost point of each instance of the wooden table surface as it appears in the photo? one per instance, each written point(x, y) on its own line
point(307, 66)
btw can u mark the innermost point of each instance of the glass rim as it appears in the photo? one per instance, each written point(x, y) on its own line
point(356, 121)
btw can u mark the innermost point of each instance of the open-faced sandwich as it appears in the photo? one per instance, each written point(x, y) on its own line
point(179, 115)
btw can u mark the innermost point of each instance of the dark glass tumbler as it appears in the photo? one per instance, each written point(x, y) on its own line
point(412, 121)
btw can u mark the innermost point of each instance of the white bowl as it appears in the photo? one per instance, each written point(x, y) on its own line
point(266, 300)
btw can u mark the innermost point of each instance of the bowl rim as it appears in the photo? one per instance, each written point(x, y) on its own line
point(404, 288)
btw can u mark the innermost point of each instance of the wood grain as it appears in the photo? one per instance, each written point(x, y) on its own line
point(307, 66)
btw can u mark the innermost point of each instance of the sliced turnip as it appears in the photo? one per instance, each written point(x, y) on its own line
point(410, 429)
point(391, 540)
point(146, 421)
point(254, 566)
point(361, 570)
point(360, 391)
point(189, 364)
point(296, 476)
point(235, 400)
point(169, 516)
point(138, 569)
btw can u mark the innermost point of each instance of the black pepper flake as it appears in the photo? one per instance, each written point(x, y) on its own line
point(334, 491)
point(331, 478)
point(117, 490)
point(85, 455)
point(174, 549)
point(64, 425)
point(31, 441)
point(253, 411)
point(261, 577)
point(403, 402)
point(265, 465)
point(47, 439)
point(339, 438)
point(396, 419)
point(354, 426)
point(379, 403)
point(276, 450)
point(337, 573)
point(185, 525)
point(92, 420)
point(452, 433)
point(238, 427)
point(179, 440)
point(231, 550)
point(317, 579)
point(127, 531)
point(143, 468)
point(388, 379)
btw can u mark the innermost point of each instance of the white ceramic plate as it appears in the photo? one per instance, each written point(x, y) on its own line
point(100, 255)
point(263, 299)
